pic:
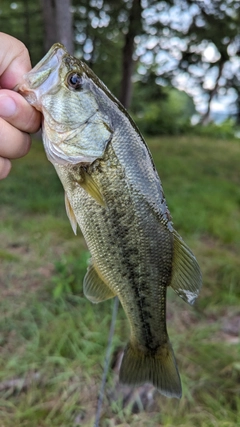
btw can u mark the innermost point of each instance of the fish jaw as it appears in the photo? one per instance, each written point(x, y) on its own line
point(43, 76)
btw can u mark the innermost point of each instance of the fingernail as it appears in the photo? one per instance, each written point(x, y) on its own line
point(7, 106)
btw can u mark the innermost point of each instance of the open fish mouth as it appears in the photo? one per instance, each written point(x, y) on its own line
point(42, 77)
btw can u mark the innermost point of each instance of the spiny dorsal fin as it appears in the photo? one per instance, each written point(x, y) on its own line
point(186, 275)
point(71, 214)
point(94, 288)
point(91, 187)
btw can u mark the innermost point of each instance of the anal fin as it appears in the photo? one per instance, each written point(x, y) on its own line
point(94, 287)
point(186, 275)
point(71, 214)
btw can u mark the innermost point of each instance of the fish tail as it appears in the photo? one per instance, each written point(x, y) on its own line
point(158, 368)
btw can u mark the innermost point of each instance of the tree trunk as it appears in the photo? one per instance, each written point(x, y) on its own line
point(50, 33)
point(65, 24)
point(27, 25)
point(128, 50)
point(206, 118)
point(238, 107)
point(58, 26)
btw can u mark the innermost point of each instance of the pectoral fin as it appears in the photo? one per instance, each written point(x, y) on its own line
point(186, 275)
point(94, 288)
point(71, 214)
point(91, 187)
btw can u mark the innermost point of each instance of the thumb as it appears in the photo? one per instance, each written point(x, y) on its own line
point(14, 61)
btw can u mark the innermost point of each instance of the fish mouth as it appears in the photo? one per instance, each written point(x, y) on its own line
point(43, 76)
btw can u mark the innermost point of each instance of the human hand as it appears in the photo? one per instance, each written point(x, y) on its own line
point(17, 117)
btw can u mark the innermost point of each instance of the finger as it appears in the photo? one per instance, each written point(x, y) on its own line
point(5, 167)
point(14, 61)
point(16, 110)
point(13, 142)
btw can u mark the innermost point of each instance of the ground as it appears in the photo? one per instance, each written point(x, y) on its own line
point(53, 341)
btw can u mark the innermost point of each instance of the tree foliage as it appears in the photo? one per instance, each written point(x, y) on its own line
point(191, 45)
point(199, 47)
point(161, 110)
point(23, 20)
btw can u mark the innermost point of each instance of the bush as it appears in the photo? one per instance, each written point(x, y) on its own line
point(224, 130)
point(168, 115)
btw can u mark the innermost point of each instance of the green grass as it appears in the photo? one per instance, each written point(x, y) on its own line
point(53, 341)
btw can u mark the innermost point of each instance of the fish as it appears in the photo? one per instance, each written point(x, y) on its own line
point(114, 193)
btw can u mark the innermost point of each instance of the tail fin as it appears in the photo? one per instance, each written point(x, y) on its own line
point(159, 369)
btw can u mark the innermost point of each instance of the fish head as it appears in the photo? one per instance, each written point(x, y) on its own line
point(62, 87)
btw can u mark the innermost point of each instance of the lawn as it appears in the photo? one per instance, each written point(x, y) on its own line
point(53, 341)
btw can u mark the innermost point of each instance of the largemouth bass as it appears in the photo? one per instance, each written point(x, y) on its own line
point(113, 191)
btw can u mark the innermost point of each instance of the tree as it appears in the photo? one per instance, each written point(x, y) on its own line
point(134, 29)
point(106, 30)
point(161, 110)
point(58, 23)
point(23, 20)
point(98, 38)
point(216, 25)
point(207, 51)
point(192, 45)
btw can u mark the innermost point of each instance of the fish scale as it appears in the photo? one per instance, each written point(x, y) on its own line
point(113, 192)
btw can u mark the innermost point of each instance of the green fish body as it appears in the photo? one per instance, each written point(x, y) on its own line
point(112, 190)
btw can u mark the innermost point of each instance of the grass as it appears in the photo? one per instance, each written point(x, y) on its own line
point(53, 341)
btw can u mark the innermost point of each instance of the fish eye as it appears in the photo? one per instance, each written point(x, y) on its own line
point(75, 81)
